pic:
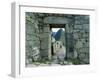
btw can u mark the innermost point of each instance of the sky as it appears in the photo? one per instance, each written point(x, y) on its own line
point(56, 29)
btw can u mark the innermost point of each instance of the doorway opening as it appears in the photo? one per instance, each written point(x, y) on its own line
point(58, 42)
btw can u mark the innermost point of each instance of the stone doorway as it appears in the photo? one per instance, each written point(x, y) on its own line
point(57, 35)
point(58, 42)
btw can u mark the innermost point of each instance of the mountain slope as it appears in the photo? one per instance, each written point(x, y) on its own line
point(57, 36)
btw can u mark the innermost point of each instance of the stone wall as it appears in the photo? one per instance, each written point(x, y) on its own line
point(45, 47)
point(37, 35)
point(76, 36)
point(32, 38)
point(69, 37)
point(81, 38)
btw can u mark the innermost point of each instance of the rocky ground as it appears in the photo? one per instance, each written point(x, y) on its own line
point(35, 64)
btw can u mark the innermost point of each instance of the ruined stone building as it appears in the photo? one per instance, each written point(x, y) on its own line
point(38, 34)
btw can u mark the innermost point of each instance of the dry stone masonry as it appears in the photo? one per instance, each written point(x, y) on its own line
point(81, 37)
point(38, 37)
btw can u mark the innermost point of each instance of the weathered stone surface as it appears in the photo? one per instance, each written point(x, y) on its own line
point(44, 43)
point(40, 21)
point(29, 23)
point(86, 26)
point(83, 22)
point(86, 35)
point(82, 40)
point(35, 25)
point(69, 28)
point(70, 55)
point(86, 44)
point(77, 22)
point(75, 54)
point(43, 35)
point(84, 50)
point(79, 44)
point(82, 56)
point(46, 29)
point(31, 15)
point(32, 43)
point(29, 27)
point(35, 54)
point(55, 20)
point(75, 35)
point(78, 26)
point(44, 53)
point(29, 61)
point(38, 35)
point(86, 60)
point(32, 37)
point(85, 17)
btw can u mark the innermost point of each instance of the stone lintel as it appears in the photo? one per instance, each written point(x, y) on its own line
point(55, 20)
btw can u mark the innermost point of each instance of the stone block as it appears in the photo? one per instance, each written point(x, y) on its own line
point(55, 20)
point(82, 56)
point(28, 23)
point(78, 17)
point(46, 29)
point(86, 26)
point(30, 14)
point(81, 21)
point(86, 17)
point(70, 55)
point(44, 43)
point(29, 32)
point(79, 44)
point(86, 44)
point(75, 35)
point(86, 60)
point(84, 50)
point(75, 54)
point(32, 38)
point(78, 26)
point(28, 60)
point(46, 25)
point(77, 22)
point(29, 43)
point(30, 20)
point(33, 43)
point(35, 25)
point(44, 35)
point(30, 29)
point(40, 20)
point(83, 40)
point(44, 53)
point(85, 35)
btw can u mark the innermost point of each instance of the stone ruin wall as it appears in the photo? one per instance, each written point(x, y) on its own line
point(32, 38)
point(81, 38)
point(77, 38)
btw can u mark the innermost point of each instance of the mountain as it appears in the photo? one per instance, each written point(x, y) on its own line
point(57, 36)
point(53, 34)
